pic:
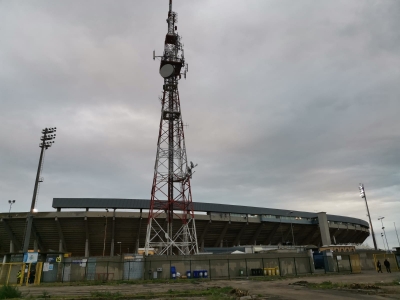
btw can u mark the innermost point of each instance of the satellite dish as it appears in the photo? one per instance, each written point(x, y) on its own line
point(167, 70)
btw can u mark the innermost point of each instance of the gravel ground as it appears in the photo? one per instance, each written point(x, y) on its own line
point(277, 289)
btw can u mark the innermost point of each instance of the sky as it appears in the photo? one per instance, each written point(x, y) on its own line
point(289, 104)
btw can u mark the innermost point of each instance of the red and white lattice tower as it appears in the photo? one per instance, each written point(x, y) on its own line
point(171, 227)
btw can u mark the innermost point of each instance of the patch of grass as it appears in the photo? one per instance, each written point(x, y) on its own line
point(44, 295)
point(105, 295)
point(213, 293)
point(9, 292)
point(391, 283)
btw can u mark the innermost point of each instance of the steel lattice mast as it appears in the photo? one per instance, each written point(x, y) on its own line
point(171, 195)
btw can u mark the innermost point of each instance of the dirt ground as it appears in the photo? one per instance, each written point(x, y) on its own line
point(277, 289)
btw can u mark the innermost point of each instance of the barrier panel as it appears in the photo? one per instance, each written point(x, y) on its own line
point(390, 257)
point(29, 273)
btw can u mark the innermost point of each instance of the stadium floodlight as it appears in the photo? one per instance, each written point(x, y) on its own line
point(47, 140)
point(384, 232)
point(11, 202)
point(363, 195)
point(362, 191)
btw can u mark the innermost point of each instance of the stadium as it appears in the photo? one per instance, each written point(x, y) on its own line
point(109, 227)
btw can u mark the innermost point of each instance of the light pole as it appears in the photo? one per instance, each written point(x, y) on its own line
point(105, 233)
point(11, 202)
point(280, 225)
point(383, 241)
point(363, 195)
point(46, 142)
point(396, 233)
point(119, 247)
point(384, 232)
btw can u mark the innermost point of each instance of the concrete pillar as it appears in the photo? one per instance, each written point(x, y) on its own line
point(60, 246)
point(324, 229)
point(12, 247)
point(202, 246)
point(35, 245)
point(137, 246)
point(221, 245)
point(87, 248)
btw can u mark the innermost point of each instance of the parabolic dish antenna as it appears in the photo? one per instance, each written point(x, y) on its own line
point(167, 70)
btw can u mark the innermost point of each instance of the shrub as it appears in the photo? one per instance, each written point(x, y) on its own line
point(9, 292)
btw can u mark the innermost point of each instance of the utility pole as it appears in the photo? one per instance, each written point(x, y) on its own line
point(46, 142)
point(384, 232)
point(394, 223)
point(363, 195)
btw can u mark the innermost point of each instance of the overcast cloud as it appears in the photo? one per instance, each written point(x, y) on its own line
point(290, 104)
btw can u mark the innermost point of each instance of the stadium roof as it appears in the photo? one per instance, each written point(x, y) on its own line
point(112, 203)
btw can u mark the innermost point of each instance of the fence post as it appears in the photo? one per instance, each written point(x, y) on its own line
point(309, 263)
point(63, 267)
point(245, 260)
point(279, 267)
point(337, 263)
point(107, 270)
point(129, 269)
point(150, 270)
point(262, 261)
point(190, 268)
point(209, 267)
point(170, 275)
point(351, 269)
point(229, 271)
point(295, 268)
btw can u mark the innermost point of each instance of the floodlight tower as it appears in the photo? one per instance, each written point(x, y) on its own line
point(363, 195)
point(46, 141)
point(171, 195)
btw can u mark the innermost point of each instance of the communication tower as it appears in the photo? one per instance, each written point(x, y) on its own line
point(171, 196)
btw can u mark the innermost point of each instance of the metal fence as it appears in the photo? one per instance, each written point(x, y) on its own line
point(93, 269)
point(227, 268)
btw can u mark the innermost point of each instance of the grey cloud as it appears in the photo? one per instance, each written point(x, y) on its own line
point(289, 104)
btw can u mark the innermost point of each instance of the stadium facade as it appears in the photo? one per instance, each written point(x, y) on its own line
point(97, 227)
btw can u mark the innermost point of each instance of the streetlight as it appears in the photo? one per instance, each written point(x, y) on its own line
point(363, 195)
point(47, 141)
point(119, 247)
point(384, 232)
point(383, 241)
point(11, 202)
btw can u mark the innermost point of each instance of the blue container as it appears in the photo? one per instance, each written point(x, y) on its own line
point(173, 272)
point(195, 274)
point(205, 274)
point(188, 274)
point(201, 274)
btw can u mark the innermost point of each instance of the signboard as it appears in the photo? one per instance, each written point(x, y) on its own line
point(45, 267)
point(51, 267)
point(58, 259)
point(30, 257)
point(339, 257)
